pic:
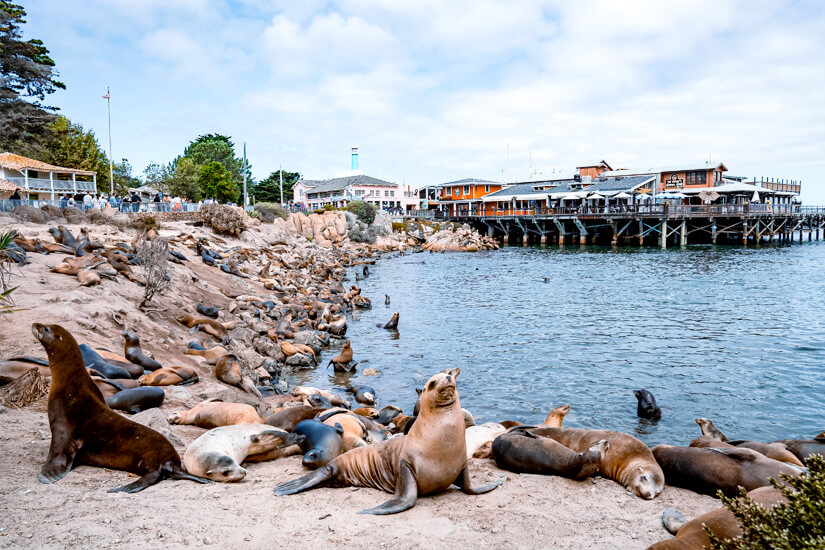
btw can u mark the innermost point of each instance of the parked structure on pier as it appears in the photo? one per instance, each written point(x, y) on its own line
point(39, 180)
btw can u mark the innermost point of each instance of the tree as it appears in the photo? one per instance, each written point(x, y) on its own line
point(269, 189)
point(216, 182)
point(27, 76)
point(122, 172)
point(218, 148)
point(185, 179)
point(159, 176)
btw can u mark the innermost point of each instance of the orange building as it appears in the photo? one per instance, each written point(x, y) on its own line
point(594, 170)
point(464, 196)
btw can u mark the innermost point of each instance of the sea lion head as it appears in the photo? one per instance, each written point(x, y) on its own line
point(221, 467)
point(440, 390)
point(51, 336)
point(647, 482)
point(130, 337)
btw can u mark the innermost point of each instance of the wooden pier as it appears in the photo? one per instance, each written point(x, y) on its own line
point(662, 225)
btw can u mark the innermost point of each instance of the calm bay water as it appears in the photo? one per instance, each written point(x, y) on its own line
point(732, 334)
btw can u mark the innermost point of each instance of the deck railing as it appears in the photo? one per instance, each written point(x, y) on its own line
point(654, 209)
point(45, 185)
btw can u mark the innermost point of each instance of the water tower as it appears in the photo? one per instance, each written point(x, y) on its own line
point(354, 159)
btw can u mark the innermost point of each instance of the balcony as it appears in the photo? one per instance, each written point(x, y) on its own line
point(43, 185)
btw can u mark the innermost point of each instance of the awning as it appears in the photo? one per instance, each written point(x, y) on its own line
point(643, 197)
point(569, 196)
point(709, 195)
point(595, 197)
point(623, 195)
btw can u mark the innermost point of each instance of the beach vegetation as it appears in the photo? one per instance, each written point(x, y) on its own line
point(364, 211)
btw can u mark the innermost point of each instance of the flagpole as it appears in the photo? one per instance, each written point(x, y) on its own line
point(107, 97)
point(245, 196)
point(281, 173)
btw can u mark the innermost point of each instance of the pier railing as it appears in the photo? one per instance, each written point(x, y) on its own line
point(677, 210)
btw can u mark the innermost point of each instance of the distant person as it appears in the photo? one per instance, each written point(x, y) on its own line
point(71, 202)
point(87, 201)
point(15, 198)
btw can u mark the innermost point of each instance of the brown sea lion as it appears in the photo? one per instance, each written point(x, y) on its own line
point(708, 428)
point(556, 416)
point(392, 324)
point(367, 412)
point(289, 417)
point(170, 376)
point(88, 277)
point(803, 448)
point(335, 399)
point(133, 352)
point(86, 431)
point(691, 535)
point(343, 361)
point(776, 451)
point(211, 355)
point(708, 470)
point(519, 450)
point(209, 326)
point(628, 461)
point(228, 370)
point(428, 460)
point(14, 368)
point(211, 414)
point(355, 430)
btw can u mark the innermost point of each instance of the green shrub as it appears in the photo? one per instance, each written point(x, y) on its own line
point(328, 208)
point(798, 523)
point(398, 226)
point(363, 210)
point(318, 211)
point(273, 209)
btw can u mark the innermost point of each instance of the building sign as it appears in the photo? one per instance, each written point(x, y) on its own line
point(674, 181)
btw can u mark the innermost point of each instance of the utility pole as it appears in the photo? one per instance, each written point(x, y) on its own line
point(245, 195)
point(107, 97)
point(281, 173)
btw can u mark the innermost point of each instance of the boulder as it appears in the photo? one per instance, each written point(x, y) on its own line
point(30, 214)
point(266, 346)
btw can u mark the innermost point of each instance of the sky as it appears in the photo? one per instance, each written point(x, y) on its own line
point(434, 91)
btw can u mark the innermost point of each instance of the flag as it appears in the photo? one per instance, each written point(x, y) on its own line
point(106, 96)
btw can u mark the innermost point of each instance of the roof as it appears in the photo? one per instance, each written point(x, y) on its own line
point(605, 186)
point(18, 162)
point(595, 164)
point(6, 185)
point(687, 167)
point(619, 184)
point(465, 181)
point(339, 184)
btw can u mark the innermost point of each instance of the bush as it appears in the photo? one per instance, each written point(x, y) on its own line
point(153, 257)
point(270, 210)
point(223, 219)
point(364, 211)
point(399, 227)
point(145, 223)
point(798, 523)
point(327, 208)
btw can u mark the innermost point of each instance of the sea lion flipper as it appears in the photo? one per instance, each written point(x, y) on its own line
point(464, 483)
point(406, 493)
point(136, 486)
point(672, 520)
point(306, 482)
point(61, 458)
point(735, 453)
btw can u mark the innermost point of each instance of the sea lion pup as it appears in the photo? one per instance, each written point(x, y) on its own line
point(776, 451)
point(135, 400)
point(519, 450)
point(218, 454)
point(207, 311)
point(170, 376)
point(628, 461)
point(213, 414)
point(803, 448)
point(86, 431)
point(556, 416)
point(428, 460)
point(691, 535)
point(476, 436)
point(211, 355)
point(392, 324)
point(707, 470)
point(646, 406)
point(133, 352)
point(322, 442)
point(228, 370)
point(363, 394)
point(343, 361)
point(708, 428)
point(306, 391)
point(289, 417)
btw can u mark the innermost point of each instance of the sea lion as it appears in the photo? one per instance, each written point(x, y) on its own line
point(213, 414)
point(646, 406)
point(343, 362)
point(321, 444)
point(209, 326)
point(86, 277)
point(354, 428)
point(207, 311)
point(86, 431)
point(428, 460)
point(170, 376)
point(62, 235)
point(476, 436)
point(211, 355)
point(364, 394)
point(386, 299)
point(218, 454)
point(387, 414)
point(94, 361)
point(803, 448)
point(133, 352)
point(135, 400)
point(776, 451)
point(392, 324)
point(289, 349)
point(556, 417)
point(520, 450)
point(228, 370)
point(628, 461)
point(367, 412)
point(14, 368)
point(289, 417)
point(708, 428)
point(691, 535)
point(708, 470)
point(306, 391)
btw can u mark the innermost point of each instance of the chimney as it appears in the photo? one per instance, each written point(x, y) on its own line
point(355, 158)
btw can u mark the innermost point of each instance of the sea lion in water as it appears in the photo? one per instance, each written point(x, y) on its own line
point(691, 535)
point(428, 460)
point(133, 352)
point(708, 428)
point(628, 461)
point(364, 394)
point(86, 431)
point(211, 355)
point(289, 417)
point(207, 311)
point(170, 376)
point(556, 417)
point(646, 406)
point(213, 414)
point(343, 361)
point(519, 450)
point(228, 370)
point(392, 324)
point(321, 443)
point(218, 454)
point(708, 470)
point(135, 400)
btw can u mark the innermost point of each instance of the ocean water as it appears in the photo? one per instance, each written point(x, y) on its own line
point(736, 335)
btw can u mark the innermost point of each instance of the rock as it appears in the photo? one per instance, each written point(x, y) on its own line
point(266, 346)
point(3, 409)
point(30, 214)
point(242, 335)
point(250, 358)
point(308, 338)
point(156, 419)
point(299, 360)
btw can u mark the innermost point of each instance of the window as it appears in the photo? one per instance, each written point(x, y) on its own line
point(392, 194)
point(458, 192)
point(466, 189)
point(486, 188)
point(717, 177)
point(386, 193)
point(359, 192)
point(695, 178)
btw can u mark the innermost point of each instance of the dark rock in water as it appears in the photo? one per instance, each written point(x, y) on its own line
point(647, 407)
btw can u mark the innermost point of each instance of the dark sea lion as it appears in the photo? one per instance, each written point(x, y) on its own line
point(195, 346)
point(133, 352)
point(392, 324)
point(135, 400)
point(707, 470)
point(228, 370)
point(386, 299)
point(94, 361)
point(364, 394)
point(321, 442)
point(62, 235)
point(387, 414)
point(803, 448)
point(428, 460)
point(170, 376)
point(86, 431)
point(521, 451)
point(691, 535)
point(207, 311)
point(776, 451)
point(709, 428)
point(646, 406)
point(628, 461)
point(289, 417)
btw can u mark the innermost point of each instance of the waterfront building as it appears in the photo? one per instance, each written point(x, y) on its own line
point(465, 195)
point(40, 180)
